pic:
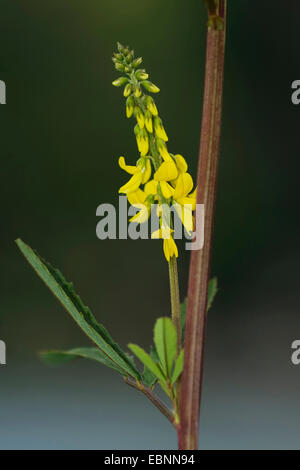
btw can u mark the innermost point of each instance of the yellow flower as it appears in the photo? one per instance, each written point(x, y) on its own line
point(181, 164)
point(169, 245)
point(159, 129)
point(141, 174)
point(167, 171)
point(170, 248)
point(185, 203)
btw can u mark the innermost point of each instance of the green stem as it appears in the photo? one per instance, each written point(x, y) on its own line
point(175, 299)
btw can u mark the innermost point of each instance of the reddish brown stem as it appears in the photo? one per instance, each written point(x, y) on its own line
point(200, 260)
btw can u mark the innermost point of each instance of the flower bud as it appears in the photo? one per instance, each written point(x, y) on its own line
point(129, 106)
point(148, 121)
point(159, 129)
point(141, 75)
point(149, 86)
point(151, 105)
point(120, 81)
point(138, 92)
point(120, 47)
point(137, 62)
point(162, 149)
point(127, 90)
point(119, 67)
point(139, 117)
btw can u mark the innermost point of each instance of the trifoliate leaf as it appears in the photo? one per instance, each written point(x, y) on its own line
point(165, 340)
point(64, 292)
point(147, 361)
point(61, 357)
point(178, 367)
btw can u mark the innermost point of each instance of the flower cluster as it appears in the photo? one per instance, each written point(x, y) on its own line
point(158, 177)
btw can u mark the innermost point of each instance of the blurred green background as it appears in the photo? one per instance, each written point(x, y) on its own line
point(62, 131)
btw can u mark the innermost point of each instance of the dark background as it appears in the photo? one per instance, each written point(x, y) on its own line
point(62, 131)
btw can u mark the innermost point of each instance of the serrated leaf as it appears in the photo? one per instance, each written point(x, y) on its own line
point(61, 357)
point(148, 378)
point(64, 292)
point(178, 367)
point(212, 291)
point(165, 340)
point(147, 361)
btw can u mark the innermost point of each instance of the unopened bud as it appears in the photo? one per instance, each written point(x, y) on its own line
point(137, 62)
point(127, 90)
point(141, 75)
point(120, 81)
point(149, 86)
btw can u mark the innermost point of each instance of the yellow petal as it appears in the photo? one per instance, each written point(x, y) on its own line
point(181, 163)
point(146, 172)
point(170, 249)
point(136, 198)
point(132, 185)
point(128, 168)
point(184, 185)
point(166, 189)
point(141, 216)
point(166, 172)
point(185, 214)
point(151, 187)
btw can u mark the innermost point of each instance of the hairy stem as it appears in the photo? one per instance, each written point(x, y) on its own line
point(175, 300)
point(200, 260)
point(153, 398)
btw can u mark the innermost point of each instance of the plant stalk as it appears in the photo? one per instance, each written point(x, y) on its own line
point(175, 300)
point(200, 260)
point(153, 398)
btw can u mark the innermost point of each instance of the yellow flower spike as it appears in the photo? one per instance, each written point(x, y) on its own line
point(184, 186)
point(166, 189)
point(139, 117)
point(146, 172)
point(132, 185)
point(181, 164)
point(166, 172)
point(136, 198)
point(159, 129)
point(151, 187)
point(143, 215)
point(128, 168)
point(148, 121)
point(170, 248)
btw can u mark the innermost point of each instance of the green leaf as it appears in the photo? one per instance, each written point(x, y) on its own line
point(212, 290)
point(178, 367)
point(61, 357)
point(165, 340)
point(147, 361)
point(148, 378)
point(64, 292)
